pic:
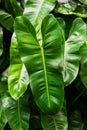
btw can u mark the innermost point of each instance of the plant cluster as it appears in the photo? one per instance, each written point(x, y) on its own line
point(43, 59)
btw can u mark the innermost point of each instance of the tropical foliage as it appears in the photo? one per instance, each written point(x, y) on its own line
point(43, 59)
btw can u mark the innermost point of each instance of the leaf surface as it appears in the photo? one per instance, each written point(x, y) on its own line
point(72, 46)
point(18, 78)
point(55, 122)
point(43, 61)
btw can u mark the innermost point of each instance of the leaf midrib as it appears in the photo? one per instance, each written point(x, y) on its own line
point(45, 75)
point(38, 10)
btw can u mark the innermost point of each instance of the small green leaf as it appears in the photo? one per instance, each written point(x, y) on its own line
point(72, 46)
point(18, 78)
point(13, 8)
point(6, 20)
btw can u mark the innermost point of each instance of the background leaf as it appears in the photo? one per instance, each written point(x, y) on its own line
point(18, 78)
point(76, 121)
point(17, 112)
point(1, 40)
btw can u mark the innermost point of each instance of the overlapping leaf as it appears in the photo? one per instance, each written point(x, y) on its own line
point(13, 8)
point(6, 20)
point(36, 10)
point(55, 122)
point(18, 78)
point(71, 50)
point(76, 121)
point(43, 61)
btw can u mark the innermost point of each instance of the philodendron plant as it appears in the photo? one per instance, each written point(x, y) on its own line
point(45, 57)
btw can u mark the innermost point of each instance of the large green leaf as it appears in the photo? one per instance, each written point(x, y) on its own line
point(43, 61)
point(6, 20)
point(71, 50)
point(76, 121)
point(18, 78)
point(36, 10)
point(17, 112)
point(83, 70)
point(55, 122)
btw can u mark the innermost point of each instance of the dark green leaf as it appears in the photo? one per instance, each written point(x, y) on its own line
point(1, 41)
point(76, 121)
point(6, 20)
point(71, 50)
point(83, 1)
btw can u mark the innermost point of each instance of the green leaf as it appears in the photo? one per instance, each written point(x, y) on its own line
point(1, 41)
point(6, 20)
point(66, 7)
point(83, 1)
point(36, 10)
point(71, 50)
point(18, 78)
point(55, 122)
point(13, 8)
point(43, 61)
point(17, 112)
point(3, 119)
point(76, 121)
point(83, 70)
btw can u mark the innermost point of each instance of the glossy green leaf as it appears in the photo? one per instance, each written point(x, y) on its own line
point(36, 10)
point(43, 61)
point(3, 119)
point(76, 121)
point(71, 50)
point(83, 1)
point(83, 70)
point(66, 7)
point(17, 112)
point(1, 41)
point(6, 20)
point(18, 78)
point(55, 122)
